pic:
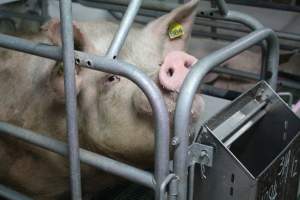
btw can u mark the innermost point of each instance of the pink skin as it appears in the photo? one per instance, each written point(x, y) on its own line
point(296, 107)
point(174, 69)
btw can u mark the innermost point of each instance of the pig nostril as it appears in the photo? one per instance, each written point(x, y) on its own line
point(187, 65)
point(170, 72)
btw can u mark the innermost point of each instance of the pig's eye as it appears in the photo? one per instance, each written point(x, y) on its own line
point(113, 78)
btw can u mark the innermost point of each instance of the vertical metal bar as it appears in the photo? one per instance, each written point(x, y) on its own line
point(124, 28)
point(45, 13)
point(254, 24)
point(212, 28)
point(70, 95)
point(191, 182)
point(150, 89)
point(221, 4)
point(190, 87)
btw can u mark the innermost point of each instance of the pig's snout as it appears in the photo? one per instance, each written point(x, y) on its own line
point(174, 69)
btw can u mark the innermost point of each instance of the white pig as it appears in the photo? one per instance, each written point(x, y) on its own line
point(114, 117)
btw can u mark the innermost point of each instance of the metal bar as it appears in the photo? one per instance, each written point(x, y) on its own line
point(44, 9)
point(192, 82)
point(264, 4)
point(225, 14)
point(191, 181)
point(153, 5)
point(150, 7)
point(164, 185)
point(233, 38)
point(237, 73)
point(162, 132)
point(253, 24)
point(70, 95)
point(124, 28)
point(101, 162)
point(8, 13)
point(10, 194)
point(221, 4)
point(290, 98)
point(244, 128)
point(155, 98)
point(26, 46)
point(52, 52)
point(212, 29)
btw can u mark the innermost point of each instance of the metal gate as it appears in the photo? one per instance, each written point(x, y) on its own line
point(162, 177)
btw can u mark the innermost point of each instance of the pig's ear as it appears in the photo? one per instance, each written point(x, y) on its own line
point(174, 29)
point(81, 42)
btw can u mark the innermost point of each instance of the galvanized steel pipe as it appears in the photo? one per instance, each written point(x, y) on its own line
point(67, 38)
point(124, 28)
point(101, 162)
point(192, 82)
point(10, 194)
point(162, 132)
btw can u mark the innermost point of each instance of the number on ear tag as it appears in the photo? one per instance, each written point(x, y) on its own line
point(175, 30)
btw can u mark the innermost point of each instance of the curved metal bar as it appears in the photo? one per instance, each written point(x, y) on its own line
point(245, 19)
point(162, 131)
point(124, 28)
point(192, 82)
point(164, 185)
point(222, 6)
point(155, 98)
point(253, 24)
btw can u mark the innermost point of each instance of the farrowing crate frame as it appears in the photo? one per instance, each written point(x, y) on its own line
point(162, 178)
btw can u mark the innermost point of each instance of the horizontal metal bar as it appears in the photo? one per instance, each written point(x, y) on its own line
point(10, 194)
point(101, 162)
point(266, 4)
point(167, 5)
point(33, 17)
point(237, 73)
point(26, 46)
point(192, 82)
point(162, 135)
point(244, 128)
point(162, 132)
point(157, 11)
point(227, 37)
point(153, 5)
point(239, 28)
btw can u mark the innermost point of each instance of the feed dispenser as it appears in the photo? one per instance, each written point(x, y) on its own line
point(255, 150)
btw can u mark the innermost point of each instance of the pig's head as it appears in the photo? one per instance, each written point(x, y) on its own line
point(115, 117)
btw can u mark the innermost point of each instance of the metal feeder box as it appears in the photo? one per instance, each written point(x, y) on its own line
point(256, 149)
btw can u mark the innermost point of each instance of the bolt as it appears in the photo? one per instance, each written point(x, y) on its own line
point(203, 154)
point(175, 141)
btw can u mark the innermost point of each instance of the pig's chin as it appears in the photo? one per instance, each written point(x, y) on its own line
point(143, 107)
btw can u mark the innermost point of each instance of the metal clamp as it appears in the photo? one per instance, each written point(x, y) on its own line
point(201, 154)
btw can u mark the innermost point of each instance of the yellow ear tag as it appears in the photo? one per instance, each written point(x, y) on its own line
point(175, 30)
